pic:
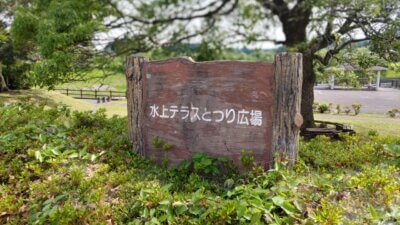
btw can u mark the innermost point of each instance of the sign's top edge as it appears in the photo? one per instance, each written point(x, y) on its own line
point(190, 60)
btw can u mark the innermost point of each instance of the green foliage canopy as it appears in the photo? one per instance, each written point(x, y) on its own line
point(59, 36)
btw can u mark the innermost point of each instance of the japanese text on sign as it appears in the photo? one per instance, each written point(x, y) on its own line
point(193, 114)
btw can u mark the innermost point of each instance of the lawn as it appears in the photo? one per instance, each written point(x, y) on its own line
point(391, 74)
point(115, 81)
point(363, 123)
point(51, 98)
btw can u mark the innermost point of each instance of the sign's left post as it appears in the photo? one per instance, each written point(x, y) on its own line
point(135, 101)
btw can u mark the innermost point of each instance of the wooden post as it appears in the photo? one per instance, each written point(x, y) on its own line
point(134, 95)
point(81, 94)
point(287, 118)
point(95, 93)
point(67, 91)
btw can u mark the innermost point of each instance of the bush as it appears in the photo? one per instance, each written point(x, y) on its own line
point(338, 108)
point(353, 152)
point(347, 110)
point(394, 113)
point(322, 108)
point(356, 108)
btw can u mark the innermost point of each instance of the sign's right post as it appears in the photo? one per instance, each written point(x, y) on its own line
point(287, 119)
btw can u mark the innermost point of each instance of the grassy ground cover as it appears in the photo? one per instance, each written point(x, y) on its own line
point(363, 123)
point(63, 167)
point(52, 98)
point(391, 74)
point(116, 81)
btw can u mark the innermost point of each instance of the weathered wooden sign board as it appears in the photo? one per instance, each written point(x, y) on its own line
point(217, 107)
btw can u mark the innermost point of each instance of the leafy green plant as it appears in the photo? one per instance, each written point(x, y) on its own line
point(322, 108)
point(166, 147)
point(338, 109)
point(373, 133)
point(352, 152)
point(157, 142)
point(394, 113)
point(204, 163)
point(247, 158)
point(357, 108)
point(347, 110)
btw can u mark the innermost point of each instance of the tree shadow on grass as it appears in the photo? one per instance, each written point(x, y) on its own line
point(33, 96)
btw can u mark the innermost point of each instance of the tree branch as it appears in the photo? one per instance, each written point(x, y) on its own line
point(328, 56)
point(216, 11)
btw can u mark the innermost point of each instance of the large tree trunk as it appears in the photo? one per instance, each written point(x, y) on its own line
point(294, 23)
point(307, 96)
point(3, 84)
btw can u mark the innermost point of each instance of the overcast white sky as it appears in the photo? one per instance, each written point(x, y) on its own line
point(105, 37)
point(274, 30)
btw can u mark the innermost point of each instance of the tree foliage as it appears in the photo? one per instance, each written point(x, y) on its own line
point(59, 36)
point(14, 64)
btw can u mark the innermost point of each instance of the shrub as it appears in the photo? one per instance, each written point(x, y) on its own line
point(338, 108)
point(394, 113)
point(247, 158)
point(353, 152)
point(356, 108)
point(323, 108)
point(372, 133)
point(347, 110)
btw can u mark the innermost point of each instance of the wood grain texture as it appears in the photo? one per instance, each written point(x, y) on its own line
point(159, 92)
point(210, 86)
point(134, 96)
point(287, 117)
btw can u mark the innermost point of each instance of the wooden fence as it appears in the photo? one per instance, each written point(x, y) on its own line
point(92, 94)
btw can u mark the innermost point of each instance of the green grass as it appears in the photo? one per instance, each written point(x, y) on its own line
point(115, 81)
point(391, 74)
point(51, 98)
point(114, 108)
point(362, 123)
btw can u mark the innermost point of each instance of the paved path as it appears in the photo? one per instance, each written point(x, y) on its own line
point(372, 101)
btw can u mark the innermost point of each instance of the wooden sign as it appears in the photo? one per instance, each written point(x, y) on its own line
point(179, 107)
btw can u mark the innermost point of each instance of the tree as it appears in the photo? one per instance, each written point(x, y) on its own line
point(3, 84)
point(13, 63)
point(3, 39)
point(65, 33)
point(335, 24)
point(64, 36)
